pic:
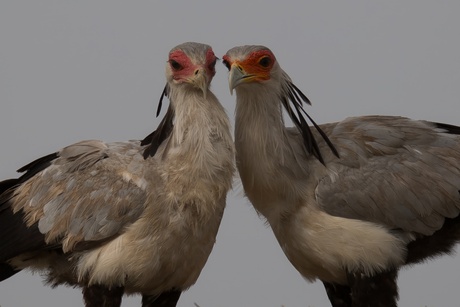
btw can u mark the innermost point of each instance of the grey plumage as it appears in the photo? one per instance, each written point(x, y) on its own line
point(349, 202)
point(140, 216)
point(395, 163)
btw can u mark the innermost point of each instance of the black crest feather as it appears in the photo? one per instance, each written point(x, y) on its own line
point(293, 95)
point(164, 129)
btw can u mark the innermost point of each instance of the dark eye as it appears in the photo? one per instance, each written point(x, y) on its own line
point(175, 65)
point(265, 61)
point(226, 63)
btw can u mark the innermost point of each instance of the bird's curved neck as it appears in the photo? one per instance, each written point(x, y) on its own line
point(259, 126)
point(192, 112)
point(198, 155)
point(262, 145)
point(269, 159)
point(201, 129)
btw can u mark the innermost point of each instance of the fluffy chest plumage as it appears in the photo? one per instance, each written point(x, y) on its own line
point(156, 253)
point(326, 247)
point(175, 235)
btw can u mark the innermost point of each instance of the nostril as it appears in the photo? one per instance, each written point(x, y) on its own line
point(197, 71)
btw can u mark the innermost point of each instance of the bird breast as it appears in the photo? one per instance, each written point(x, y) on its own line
point(326, 247)
point(168, 246)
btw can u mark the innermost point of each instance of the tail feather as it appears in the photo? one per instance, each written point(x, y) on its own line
point(6, 271)
point(15, 236)
point(441, 242)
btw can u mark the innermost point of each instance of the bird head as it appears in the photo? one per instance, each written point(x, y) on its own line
point(255, 69)
point(191, 64)
point(249, 65)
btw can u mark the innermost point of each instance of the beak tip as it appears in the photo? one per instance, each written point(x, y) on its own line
point(236, 77)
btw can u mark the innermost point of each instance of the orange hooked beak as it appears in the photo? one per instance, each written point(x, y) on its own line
point(241, 73)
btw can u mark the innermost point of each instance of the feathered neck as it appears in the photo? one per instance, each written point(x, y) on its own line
point(265, 147)
point(264, 100)
point(259, 122)
point(188, 109)
point(197, 120)
point(261, 143)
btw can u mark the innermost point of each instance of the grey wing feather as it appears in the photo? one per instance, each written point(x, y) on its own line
point(88, 194)
point(393, 171)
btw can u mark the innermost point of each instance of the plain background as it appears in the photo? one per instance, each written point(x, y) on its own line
point(73, 70)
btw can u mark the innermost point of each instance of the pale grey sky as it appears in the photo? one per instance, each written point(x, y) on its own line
point(73, 70)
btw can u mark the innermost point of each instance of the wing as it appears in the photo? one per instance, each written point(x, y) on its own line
point(16, 237)
point(393, 171)
point(83, 195)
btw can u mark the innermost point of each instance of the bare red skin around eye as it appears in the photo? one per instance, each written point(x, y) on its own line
point(226, 58)
point(188, 68)
point(210, 58)
point(251, 64)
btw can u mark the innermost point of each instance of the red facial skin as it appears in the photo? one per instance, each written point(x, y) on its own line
point(183, 68)
point(257, 64)
point(211, 63)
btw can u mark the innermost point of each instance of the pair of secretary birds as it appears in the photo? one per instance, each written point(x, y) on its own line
point(349, 202)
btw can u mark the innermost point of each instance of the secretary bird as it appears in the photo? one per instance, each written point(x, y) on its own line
point(349, 202)
point(134, 217)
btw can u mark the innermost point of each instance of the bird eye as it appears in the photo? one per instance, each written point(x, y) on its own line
point(265, 61)
point(226, 63)
point(175, 65)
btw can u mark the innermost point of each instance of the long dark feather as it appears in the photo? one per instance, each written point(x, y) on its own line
point(296, 97)
point(37, 165)
point(163, 94)
point(326, 139)
point(312, 145)
point(31, 169)
point(17, 237)
point(448, 128)
point(304, 129)
point(163, 130)
point(296, 89)
point(285, 102)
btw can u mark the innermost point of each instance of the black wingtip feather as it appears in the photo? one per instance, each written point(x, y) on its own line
point(6, 271)
point(449, 128)
point(30, 169)
point(16, 236)
point(37, 165)
point(6, 189)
